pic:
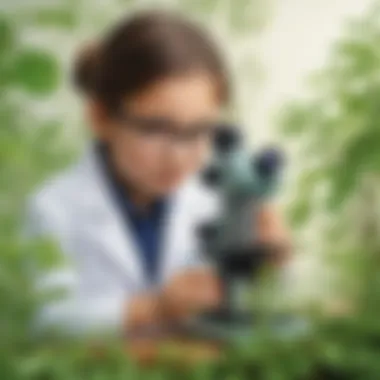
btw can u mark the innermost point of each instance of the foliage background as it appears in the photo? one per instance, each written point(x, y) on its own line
point(336, 134)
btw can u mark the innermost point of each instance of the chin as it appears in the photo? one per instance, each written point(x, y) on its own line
point(167, 187)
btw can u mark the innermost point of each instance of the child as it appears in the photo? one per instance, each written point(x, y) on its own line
point(126, 215)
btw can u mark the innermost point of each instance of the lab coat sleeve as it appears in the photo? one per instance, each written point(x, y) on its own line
point(76, 312)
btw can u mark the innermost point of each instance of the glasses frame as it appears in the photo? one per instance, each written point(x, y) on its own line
point(169, 129)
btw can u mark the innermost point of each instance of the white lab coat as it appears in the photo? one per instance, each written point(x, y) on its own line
point(104, 266)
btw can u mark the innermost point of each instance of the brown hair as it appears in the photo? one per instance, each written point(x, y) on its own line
point(143, 49)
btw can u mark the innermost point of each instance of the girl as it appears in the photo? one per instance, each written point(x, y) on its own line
point(126, 215)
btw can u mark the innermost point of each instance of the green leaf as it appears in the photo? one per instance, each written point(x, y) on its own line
point(200, 6)
point(46, 252)
point(360, 156)
point(300, 212)
point(55, 17)
point(296, 118)
point(361, 55)
point(248, 15)
point(36, 72)
point(7, 36)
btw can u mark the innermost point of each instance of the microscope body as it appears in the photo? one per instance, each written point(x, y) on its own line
point(242, 187)
point(242, 182)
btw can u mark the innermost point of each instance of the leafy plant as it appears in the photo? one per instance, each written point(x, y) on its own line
point(339, 135)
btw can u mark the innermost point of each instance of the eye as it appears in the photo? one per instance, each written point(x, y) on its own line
point(205, 125)
point(149, 125)
point(203, 128)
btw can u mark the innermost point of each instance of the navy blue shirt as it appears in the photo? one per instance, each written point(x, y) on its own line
point(146, 225)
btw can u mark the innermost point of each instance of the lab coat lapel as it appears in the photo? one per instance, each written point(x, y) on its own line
point(177, 247)
point(108, 227)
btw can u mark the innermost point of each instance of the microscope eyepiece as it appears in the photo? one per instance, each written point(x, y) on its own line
point(269, 162)
point(226, 138)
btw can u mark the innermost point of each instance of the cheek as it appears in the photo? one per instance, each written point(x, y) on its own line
point(181, 166)
point(198, 159)
point(134, 158)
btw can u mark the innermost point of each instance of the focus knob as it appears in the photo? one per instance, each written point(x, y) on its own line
point(212, 176)
point(208, 231)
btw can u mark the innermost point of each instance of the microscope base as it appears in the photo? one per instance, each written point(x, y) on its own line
point(231, 327)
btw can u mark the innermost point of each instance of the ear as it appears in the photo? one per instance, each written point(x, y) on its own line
point(99, 120)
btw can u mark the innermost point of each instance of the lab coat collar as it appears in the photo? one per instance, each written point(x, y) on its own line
point(156, 208)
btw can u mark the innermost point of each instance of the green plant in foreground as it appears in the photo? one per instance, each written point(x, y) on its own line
point(340, 129)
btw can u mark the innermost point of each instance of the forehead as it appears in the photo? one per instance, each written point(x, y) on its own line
point(182, 98)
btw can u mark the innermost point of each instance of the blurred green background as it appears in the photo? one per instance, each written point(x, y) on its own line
point(330, 130)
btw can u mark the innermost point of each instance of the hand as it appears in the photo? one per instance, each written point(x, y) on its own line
point(186, 293)
point(190, 292)
point(271, 229)
point(143, 310)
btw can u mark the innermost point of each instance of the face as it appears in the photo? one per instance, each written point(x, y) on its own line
point(165, 133)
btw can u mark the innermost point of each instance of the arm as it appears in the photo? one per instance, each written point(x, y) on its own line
point(75, 312)
point(81, 314)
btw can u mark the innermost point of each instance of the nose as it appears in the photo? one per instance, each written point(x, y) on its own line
point(179, 148)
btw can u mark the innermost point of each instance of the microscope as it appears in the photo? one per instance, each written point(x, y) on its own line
point(243, 182)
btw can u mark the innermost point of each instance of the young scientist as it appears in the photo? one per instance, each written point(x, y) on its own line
point(126, 215)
